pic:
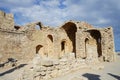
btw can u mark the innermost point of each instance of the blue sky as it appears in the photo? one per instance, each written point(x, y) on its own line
point(100, 13)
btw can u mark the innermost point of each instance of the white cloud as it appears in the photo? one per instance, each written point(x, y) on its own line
point(50, 13)
point(55, 12)
point(50, 3)
point(103, 21)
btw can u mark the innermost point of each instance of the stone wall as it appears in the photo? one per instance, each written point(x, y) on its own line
point(79, 38)
point(11, 44)
point(108, 44)
point(6, 21)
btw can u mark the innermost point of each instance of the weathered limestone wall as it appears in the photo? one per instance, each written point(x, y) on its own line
point(6, 21)
point(80, 44)
point(81, 35)
point(51, 40)
point(108, 44)
point(35, 38)
point(63, 43)
point(78, 38)
point(11, 44)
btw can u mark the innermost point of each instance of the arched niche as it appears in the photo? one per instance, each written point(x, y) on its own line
point(63, 43)
point(38, 48)
point(50, 37)
point(86, 48)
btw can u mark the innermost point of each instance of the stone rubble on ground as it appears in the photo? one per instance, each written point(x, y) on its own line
point(45, 68)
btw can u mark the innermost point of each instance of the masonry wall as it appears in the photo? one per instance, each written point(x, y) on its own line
point(73, 37)
point(108, 44)
point(11, 44)
point(80, 44)
point(64, 43)
point(6, 21)
point(51, 40)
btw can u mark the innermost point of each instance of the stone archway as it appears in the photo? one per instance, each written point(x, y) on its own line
point(97, 36)
point(93, 44)
point(71, 29)
point(40, 50)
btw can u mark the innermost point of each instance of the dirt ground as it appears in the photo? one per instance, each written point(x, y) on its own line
point(111, 71)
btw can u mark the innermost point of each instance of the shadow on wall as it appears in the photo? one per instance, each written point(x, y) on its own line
point(91, 76)
point(13, 69)
point(115, 76)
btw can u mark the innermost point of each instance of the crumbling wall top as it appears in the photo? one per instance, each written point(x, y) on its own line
point(79, 25)
point(6, 21)
point(32, 25)
point(83, 24)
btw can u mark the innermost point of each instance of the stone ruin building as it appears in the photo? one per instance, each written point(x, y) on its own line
point(73, 39)
point(79, 38)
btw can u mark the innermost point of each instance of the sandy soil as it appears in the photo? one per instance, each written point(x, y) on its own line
point(111, 71)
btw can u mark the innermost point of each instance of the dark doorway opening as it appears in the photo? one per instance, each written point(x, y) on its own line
point(63, 45)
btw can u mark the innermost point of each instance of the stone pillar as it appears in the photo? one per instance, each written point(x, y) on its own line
point(80, 44)
point(107, 41)
point(56, 46)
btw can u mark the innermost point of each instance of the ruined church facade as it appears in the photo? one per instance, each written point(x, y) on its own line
point(80, 39)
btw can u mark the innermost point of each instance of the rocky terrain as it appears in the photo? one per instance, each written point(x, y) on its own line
point(46, 69)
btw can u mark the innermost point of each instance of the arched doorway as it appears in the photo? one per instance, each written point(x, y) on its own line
point(71, 29)
point(97, 36)
point(93, 45)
